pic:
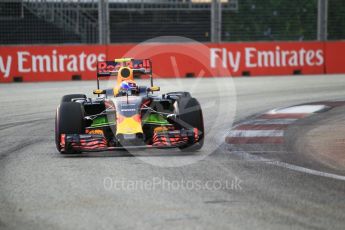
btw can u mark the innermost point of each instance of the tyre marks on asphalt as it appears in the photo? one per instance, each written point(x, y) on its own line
point(20, 123)
point(19, 147)
point(19, 135)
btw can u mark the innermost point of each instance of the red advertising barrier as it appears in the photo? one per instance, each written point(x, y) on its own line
point(57, 63)
point(335, 62)
point(49, 63)
point(273, 58)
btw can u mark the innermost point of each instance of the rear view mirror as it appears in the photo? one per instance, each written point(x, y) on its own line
point(99, 91)
point(154, 88)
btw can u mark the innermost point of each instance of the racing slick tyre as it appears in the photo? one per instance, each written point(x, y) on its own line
point(189, 115)
point(69, 97)
point(69, 120)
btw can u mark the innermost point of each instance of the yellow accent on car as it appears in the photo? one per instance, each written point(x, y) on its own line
point(154, 88)
point(129, 126)
point(116, 91)
point(123, 59)
point(96, 131)
point(161, 129)
point(99, 91)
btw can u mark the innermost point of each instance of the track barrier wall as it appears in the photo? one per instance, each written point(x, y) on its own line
point(78, 62)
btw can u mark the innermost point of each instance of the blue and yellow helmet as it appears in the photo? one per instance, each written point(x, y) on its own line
point(128, 85)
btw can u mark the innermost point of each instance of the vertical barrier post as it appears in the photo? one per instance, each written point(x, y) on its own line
point(216, 21)
point(103, 22)
point(322, 20)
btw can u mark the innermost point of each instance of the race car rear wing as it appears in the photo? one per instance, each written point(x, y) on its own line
point(111, 68)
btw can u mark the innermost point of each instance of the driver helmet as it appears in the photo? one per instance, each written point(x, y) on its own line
point(129, 86)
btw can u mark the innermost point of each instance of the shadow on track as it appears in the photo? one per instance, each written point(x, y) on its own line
point(125, 153)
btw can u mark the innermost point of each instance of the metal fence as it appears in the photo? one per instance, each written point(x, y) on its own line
point(271, 20)
point(119, 21)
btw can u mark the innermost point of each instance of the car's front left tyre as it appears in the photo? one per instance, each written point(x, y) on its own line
point(189, 115)
point(70, 97)
point(69, 120)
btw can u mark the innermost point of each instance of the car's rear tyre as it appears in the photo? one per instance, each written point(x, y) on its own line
point(69, 120)
point(189, 115)
point(69, 97)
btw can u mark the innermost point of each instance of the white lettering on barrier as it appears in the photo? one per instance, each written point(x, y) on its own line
point(21, 59)
point(250, 53)
point(320, 58)
point(72, 65)
point(91, 62)
point(43, 63)
point(234, 59)
point(254, 57)
point(52, 63)
point(214, 54)
point(5, 68)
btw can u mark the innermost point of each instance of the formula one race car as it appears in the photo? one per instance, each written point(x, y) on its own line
point(128, 116)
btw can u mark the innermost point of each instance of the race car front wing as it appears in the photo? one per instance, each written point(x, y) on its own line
point(97, 142)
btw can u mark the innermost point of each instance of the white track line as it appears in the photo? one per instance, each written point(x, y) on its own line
point(268, 122)
point(290, 166)
point(256, 133)
point(299, 109)
point(306, 170)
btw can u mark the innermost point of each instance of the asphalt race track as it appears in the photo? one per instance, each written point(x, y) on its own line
point(40, 189)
